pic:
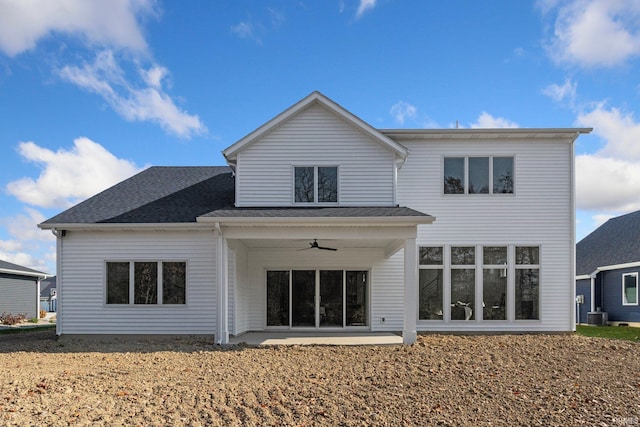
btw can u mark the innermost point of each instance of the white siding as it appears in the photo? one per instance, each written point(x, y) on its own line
point(539, 213)
point(19, 295)
point(315, 136)
point(82, 282)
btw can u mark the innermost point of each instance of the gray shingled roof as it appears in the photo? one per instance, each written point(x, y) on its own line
point(5, 265)
point(617, 241)
point(316, 212)
point(156, 195)
point(182, 194)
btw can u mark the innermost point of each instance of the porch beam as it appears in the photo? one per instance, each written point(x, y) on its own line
point(336, 232)
point(409, 333)
point(392, 248)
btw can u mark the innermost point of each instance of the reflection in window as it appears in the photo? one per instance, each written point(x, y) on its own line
point(304, 184)
point(430, 294)
point(630, 289)
point(313, 183)
point(454, 175)
point(478, 175)
point(463, 284)
point(117, 283)
point(431, 255)
point(356, 291)
point(494, 293)
point(502, 175)
point(527, 255)
point(494, 255)
point(463, 255)
point(527, 294)
point(277, 298)
point(327, 184)
point(145, 288)
point(174, 282)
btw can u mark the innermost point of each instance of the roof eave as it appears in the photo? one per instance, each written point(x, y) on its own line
point(38, 275)
point(230, 152)
point(123, 226)
point(486, 133)
point(313, 221)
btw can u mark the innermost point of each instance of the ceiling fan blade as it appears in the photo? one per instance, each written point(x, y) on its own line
point(326, 249)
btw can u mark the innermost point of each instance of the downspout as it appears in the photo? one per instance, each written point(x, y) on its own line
point(593, 291)
point(222, 282)
point(59, 279)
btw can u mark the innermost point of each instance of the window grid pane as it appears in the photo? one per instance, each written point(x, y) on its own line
point(463, 255)
point(430, 294)
point(527, 294)
point(117, 283)
point(174, 282)
point(304, 184)
point(145, 283)
point(431, 255)
point(494, 293)
point(327, 184)
point(463, 284)
point(503, 175)
point(454, 175)
point(478, 175)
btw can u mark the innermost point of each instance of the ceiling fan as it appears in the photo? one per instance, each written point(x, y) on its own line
point(314, 245)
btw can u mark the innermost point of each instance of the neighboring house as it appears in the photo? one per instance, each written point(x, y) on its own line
point(48, 294)
point(607, 267)
point(321, 222)
point(20, 289)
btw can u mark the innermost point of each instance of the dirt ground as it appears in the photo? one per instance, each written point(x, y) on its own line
point(559, 380)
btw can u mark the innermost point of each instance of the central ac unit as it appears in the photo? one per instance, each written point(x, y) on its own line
point(597, 318)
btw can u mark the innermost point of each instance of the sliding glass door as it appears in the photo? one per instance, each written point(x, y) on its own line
point(317, 298)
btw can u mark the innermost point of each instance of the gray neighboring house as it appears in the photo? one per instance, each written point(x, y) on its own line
point(48, 294)
point(20, 289)
point(607, 267)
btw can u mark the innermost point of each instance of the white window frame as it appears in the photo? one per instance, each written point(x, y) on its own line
point(466, 175)
point(315, 184)
point(160, 280)
point(433, 267)
point(624, 298)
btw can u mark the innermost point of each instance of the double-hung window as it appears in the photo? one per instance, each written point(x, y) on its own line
point(315, 184)
point(478, 175)
point(146, 282)
point(630, 289)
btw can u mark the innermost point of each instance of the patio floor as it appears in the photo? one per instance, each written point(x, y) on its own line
point(317, 338)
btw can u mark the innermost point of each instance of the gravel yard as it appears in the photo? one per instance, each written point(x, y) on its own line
point(441, 380)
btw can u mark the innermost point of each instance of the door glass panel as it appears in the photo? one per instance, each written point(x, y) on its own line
point(331, 313)
point(303, 292)
point(277, 298)
point(357, 298)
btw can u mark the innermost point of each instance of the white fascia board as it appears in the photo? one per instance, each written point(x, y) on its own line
point(315, 221)
point(24, 273)
point(608, 268)
point(475, 134)
point(126, 226)
point(231, 151)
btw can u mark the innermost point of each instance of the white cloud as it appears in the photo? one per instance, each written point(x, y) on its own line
point(486, 120)
point(594, 32)
point(244, 30)
point(106, 78)
point(620, 131)
point(402, 110)
point(364, 6)
point(560, 93)
point(25, 260)
point(104, 23)
point(69, 176)
point(27, 241)
point(607, 184)
point(23, 226)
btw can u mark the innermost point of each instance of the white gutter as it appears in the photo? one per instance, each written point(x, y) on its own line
point(126, 226)
point(312, 221)
point(39, 276)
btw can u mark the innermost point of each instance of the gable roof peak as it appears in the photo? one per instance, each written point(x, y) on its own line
point(315, 97)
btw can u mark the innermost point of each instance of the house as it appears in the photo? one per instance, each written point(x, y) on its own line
point(607, 266)
point(20, 289)
point(48, 294)
point(321, 222)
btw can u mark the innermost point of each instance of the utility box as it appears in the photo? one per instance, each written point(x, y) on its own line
point(597, 318)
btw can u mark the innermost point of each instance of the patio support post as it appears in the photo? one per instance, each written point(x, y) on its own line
point(222, 282)
point(409, 334)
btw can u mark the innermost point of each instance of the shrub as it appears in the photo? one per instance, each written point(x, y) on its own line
point(12, 319)
point(43, 314)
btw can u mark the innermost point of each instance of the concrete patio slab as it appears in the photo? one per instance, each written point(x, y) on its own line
point(317, 338)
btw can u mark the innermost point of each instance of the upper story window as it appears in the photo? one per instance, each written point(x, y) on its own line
point(478, 175)
point(316, 184)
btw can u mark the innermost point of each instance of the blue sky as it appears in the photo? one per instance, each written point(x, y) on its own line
point(92, 91)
